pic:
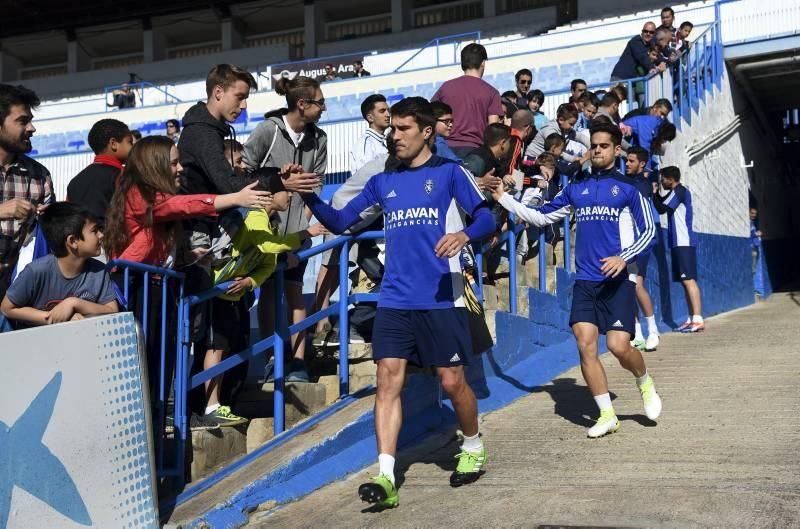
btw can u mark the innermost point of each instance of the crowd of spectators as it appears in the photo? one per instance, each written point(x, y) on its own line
point(224, 212)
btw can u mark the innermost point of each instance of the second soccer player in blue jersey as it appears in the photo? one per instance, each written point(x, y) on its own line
point(614, 227)
point(421, 316)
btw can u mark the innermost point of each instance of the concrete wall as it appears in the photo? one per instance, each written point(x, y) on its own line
point(588, 9)
point(74, 427)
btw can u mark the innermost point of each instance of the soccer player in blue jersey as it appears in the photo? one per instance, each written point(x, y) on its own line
point(677, 204)
point(635, 164)
point(614, 227)
point(421, 316)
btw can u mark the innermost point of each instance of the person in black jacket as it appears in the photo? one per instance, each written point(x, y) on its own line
point(635, 55)
point(92, 188)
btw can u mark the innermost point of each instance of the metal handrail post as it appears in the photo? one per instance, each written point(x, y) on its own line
point(542, 262)
point(278, 351)
point(567, 234)
point(344, 330)
point(512, 265)
point(181, 393)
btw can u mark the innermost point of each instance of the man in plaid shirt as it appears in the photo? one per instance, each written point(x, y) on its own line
point(25, 184)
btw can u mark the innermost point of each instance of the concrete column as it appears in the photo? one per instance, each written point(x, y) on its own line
point(232, 34)
point(9, 67)
point(154, 44)
point(314, 27)
point(401, 15)
point(489, 8)
point(77, 58)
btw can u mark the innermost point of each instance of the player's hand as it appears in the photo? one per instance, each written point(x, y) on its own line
point(625, 130)
point(240, 285)
point(317, 229)
point(451, 244)
point(497, 190)
point(16, 208)
point(295, 179)
point(509, 181)
point(485, 182)
point(62, 312)
point(612, 266)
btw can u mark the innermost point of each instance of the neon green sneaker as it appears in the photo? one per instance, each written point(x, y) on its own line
point(639, 344)
point(469, 469)
point(651, 400)
point(225, 417)
point(379, 491)
point(606, 423)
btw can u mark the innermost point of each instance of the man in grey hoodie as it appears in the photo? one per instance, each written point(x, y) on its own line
point(290, 136)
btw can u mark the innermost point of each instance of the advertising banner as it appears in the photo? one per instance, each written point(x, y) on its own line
point(315, 68)
point(75, 447)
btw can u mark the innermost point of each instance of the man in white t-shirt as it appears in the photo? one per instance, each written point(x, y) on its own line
point(372, 141)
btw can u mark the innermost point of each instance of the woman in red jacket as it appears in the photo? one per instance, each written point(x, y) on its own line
point(143, 225)
point(142, 220)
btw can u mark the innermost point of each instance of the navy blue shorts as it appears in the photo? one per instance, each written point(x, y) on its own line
point(611, 305)
point(426, 338)
point(641, 264)
point(684, 263)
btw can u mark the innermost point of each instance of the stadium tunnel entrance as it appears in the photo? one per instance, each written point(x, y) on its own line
point(766, 90)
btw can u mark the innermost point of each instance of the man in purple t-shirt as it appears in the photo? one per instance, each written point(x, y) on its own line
point(475, 102)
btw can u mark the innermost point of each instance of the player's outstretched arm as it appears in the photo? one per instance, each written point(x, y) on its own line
point(550, 213)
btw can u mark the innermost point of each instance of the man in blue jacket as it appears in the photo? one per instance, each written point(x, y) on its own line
point(421, 316)
point(635, 54)
point(614, 227)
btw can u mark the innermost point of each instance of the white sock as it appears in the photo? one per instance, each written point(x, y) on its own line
point(642, 379)
point(697, 318)
point(652, 327)
point(212, 408)
point(603, 402)
point(638, 335)
point(386, 464)
point(473, 443)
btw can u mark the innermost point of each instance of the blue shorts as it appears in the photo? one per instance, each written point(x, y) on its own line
point(426, 338)
point(641, 264)
point(684, 263)
point(610, 305)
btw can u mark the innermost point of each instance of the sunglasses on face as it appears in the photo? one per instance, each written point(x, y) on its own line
point(318, 102)
point(524, 81)
point(648, 32)
point(446, 122)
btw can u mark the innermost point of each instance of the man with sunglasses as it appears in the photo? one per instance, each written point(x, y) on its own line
point(524, 79)
point(635, 54)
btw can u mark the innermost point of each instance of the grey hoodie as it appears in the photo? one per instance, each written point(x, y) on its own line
point(271, 146)
point(537, 145)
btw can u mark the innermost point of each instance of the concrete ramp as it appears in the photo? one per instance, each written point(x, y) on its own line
point(723, 454)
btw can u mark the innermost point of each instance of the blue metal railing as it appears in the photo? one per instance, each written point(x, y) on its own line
point(437, 42)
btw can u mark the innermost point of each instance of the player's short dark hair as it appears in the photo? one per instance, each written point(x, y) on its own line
point(608, 100)
point(671, 172)
point(136, 134)
point(368, 105)
point(668, 10)
point(11, 95)
point(415, 106)
point(575, 82)
point(686, 24)
point(523, 71)
point(663, 102)
point(496, 133)
point(174, 122)
point(102, 132)
point(440, 108)
point(552, 140)
point(641, 154)
point(226, 75)
point(610, 129)
point(59, 221)
point(472, 56)
point(537, 95)
point(567, 111)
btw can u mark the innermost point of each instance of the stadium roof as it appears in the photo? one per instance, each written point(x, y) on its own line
point(20, 17)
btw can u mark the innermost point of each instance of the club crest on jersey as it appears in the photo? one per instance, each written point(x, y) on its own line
point(615, 190)
point(428, 186)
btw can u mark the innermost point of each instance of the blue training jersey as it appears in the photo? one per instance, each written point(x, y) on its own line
point(680, 217)
point(613, 219)
point(419, 208)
